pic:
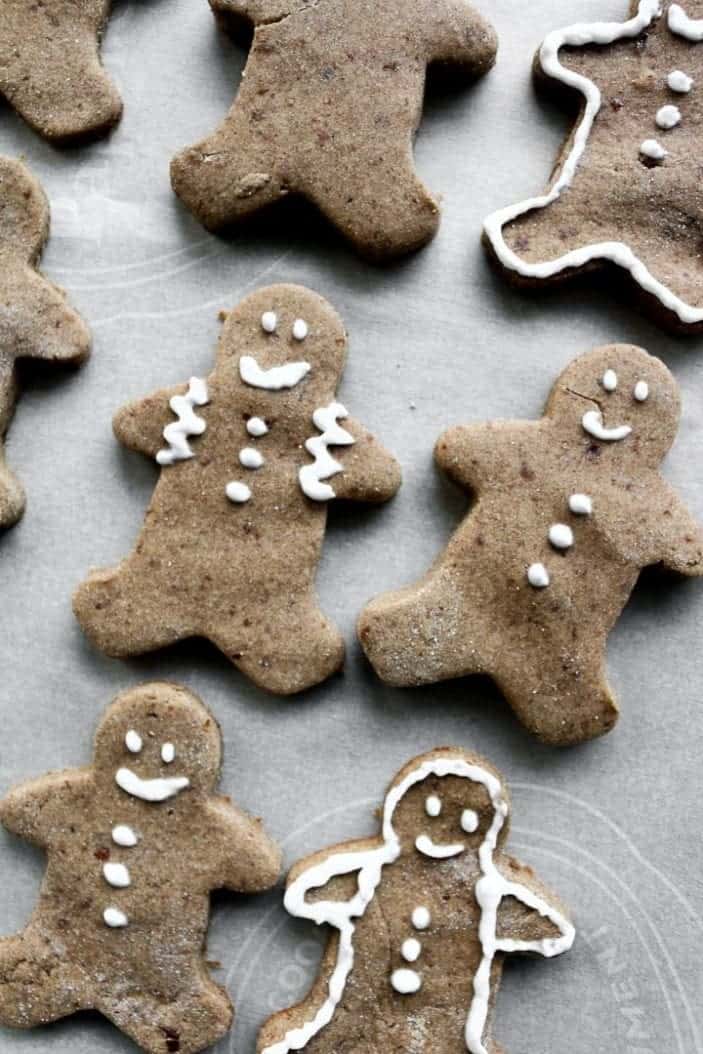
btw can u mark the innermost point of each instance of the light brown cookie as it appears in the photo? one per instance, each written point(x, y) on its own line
point(422, 916)
point(35, 320)
point(50, 70)
point(135, 843)
point(328, 106)
point(568, 511)
point(626, 191)
point(250, 458)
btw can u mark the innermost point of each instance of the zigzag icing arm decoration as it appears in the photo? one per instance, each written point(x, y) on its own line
point(188, 424)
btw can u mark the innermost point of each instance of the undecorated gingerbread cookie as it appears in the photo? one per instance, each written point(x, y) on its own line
point(327, 109)
point(567, 512)
point(250, 457)
point(35, 320)
point(422, 917)
point(135, 843)
point(627, 187)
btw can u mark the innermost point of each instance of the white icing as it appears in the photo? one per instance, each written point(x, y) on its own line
point(581, 504)
point(491, 889)
point(653, 148)
point(679, 82)
point(168, 753)
point(469, 821)
point(580, 35)
point(641, 392)
point(425, 845)
point(405, 981)
point(610, 380)
point(668, 116)
point(114, 918)
point(237, 492)
point(538, 576)
point(133, 741)
point(325, 419)
point(117, 875)
point(269, 321)
point(256, 426)
point(278, 377)
point(150, 790)
point(188, 424)
point(124, 835)
point(250, 458)
point(561, 536)
point(689, 28)
point(411, 949)
point(300, 329)
point(592, 422)
point(433, 805)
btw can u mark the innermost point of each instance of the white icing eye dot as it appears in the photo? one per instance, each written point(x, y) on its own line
point(469, 821)
point(433, 805)
point(237, 492)
point(668, 116)
point(538, 576)
point(561, 536)
point(257, 427)
point(133, 741)
point(168, 753)
point(641, 392)
point(411, 949)
point(114, 918)
point(581, 504)
point(421, 918)
point(269, 321)
point(300, 329)
point(610, 380)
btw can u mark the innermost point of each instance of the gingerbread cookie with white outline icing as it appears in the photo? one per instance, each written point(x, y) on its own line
point(135, 843)
point(35, 320)
point(627, 190)
point(51, 72)
point(327, 109)
point(250, 458)
point(568, 510)
point(423, 916)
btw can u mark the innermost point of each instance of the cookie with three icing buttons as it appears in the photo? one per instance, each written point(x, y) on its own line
point(626, 190)
point(35, 320)
point(135, 843)
point(568, 510)
point(249, 459)
point(422, 917)
point(327, 109)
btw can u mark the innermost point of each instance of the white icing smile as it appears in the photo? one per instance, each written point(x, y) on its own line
point(425, 845)
point(150, 790)
point(593, 424)
point(278, 377)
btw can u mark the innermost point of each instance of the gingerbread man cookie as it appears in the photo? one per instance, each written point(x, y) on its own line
point(627, 189)
point(568, 511)
point(50, 70)
point(249, 459)
point(135, 842)
point(328, 106)
point(35, 320)
point(423, 915)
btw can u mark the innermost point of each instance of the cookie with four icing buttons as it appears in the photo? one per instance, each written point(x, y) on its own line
point(329, 103)
point(626, 191)
point(250, 458)
point(422, 917)
point(568, 510)
point(135, 843)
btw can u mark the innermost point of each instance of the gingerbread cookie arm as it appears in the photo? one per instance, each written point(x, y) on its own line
point(476, 455)
point(44, 325)
point(530, 917)
point(37, 810)
point(140, 425)
point(250, 861)
point(331, 874)
point(679, 537)
point(369, 472)
point(462, 38)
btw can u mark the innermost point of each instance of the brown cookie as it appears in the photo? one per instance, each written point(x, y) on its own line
point(422, 917)
point(327, 109)
point(568, 511)
point(35, 320)
point(627, 189)
point(135, 843)
point(50, 70)
point(232, 537)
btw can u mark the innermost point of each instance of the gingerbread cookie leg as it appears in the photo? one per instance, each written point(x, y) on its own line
point(31, 996)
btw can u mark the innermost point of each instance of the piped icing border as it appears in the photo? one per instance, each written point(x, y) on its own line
point(579, 35)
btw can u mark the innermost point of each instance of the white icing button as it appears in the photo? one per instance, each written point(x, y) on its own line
point(411, 949)
point(668, 116)
point(433, 805)
point(538, 576)
point(237, 492)
point(469, 821)
point(256, 426)
point(133, 741)
point(561, 536)
point(581, 504)
point(421, 918)
point(168, 753)
point(406, 981)
point(269, 321)
point(116, 875)
point(680, 82)
point(114, 918)
point(250, 458)
point(124, 835)
point(653, 149)
point(641, 391)
point(300, 329)
point(610, 380)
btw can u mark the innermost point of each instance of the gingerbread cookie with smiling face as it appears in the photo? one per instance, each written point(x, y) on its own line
point(250, 458)
point(627, 189)
point(135, 843)
point(568, 511)
point(422, 916)
point(327, 110)
point(35, 320)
